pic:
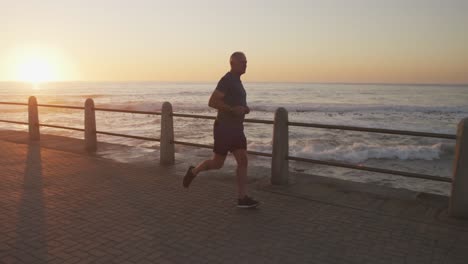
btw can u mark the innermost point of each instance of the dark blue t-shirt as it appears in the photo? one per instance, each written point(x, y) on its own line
point(234, 95)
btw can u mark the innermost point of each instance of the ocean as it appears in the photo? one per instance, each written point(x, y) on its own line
point(425, 108)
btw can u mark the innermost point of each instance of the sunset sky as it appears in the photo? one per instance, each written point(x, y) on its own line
point(398, 41)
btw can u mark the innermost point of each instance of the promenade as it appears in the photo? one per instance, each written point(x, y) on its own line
point(61, 205)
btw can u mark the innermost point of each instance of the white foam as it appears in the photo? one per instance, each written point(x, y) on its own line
point(359, 152)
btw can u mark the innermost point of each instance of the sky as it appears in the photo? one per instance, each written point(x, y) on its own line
point(351, 41)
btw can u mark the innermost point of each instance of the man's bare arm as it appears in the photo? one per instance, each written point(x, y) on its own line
point(217, 102)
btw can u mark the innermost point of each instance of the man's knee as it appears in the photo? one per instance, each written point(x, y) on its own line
point(242, 162)
point(217, 164)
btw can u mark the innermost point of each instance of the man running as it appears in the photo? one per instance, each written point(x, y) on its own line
point(230, 99)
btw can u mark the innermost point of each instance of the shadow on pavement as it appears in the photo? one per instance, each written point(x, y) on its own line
point(31, 227)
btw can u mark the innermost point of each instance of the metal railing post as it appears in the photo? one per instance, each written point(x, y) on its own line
point(167, 149)
point(33, 119)
point(90, 126)
point(459, 197)
point(279, 161)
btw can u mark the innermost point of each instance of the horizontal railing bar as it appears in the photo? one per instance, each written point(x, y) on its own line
point(127, 136)
point(14, 122)
point(191, 144)
point(62, 127)
point(259, 153)
point(214, 117)
point(364, 168)
point(211, 146)
point(61, 106)
point(375, 130)
point(11, 103)
point(258, 121)
point(126, 111)
point(350, 128)
point(194, 116)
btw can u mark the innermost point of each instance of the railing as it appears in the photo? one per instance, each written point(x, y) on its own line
point(280, 153)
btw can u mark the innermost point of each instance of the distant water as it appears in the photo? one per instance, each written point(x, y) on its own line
point(408, 107)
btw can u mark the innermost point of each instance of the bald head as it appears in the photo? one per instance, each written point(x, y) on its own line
point(238, 63)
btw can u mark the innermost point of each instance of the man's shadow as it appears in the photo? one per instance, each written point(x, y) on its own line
point(31, 241)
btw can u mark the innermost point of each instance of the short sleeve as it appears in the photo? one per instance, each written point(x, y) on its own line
point(222, 86)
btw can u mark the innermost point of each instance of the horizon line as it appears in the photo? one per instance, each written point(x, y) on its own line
point(277, 82)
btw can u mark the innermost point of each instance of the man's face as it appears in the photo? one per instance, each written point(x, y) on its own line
point(239, 64)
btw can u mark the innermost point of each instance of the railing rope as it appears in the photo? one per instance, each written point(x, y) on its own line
point(279, 161)
point(90, 126)
point(459, 199)
point(33, 119)
point(167, 148)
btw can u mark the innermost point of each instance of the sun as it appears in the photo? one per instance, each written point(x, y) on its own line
point(36, 70)
point(39, 63)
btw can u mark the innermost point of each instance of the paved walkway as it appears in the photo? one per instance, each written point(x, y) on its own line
point(64, 207)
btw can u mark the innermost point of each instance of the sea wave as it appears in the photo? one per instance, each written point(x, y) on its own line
point(359, 152)
point(361, 108)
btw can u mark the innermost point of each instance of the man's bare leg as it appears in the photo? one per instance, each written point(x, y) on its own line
point(215, 163)
point(241, 171)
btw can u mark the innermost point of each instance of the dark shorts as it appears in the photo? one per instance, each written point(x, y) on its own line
point(228, 138)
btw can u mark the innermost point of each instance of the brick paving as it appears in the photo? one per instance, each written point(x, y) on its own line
point(63, 207)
